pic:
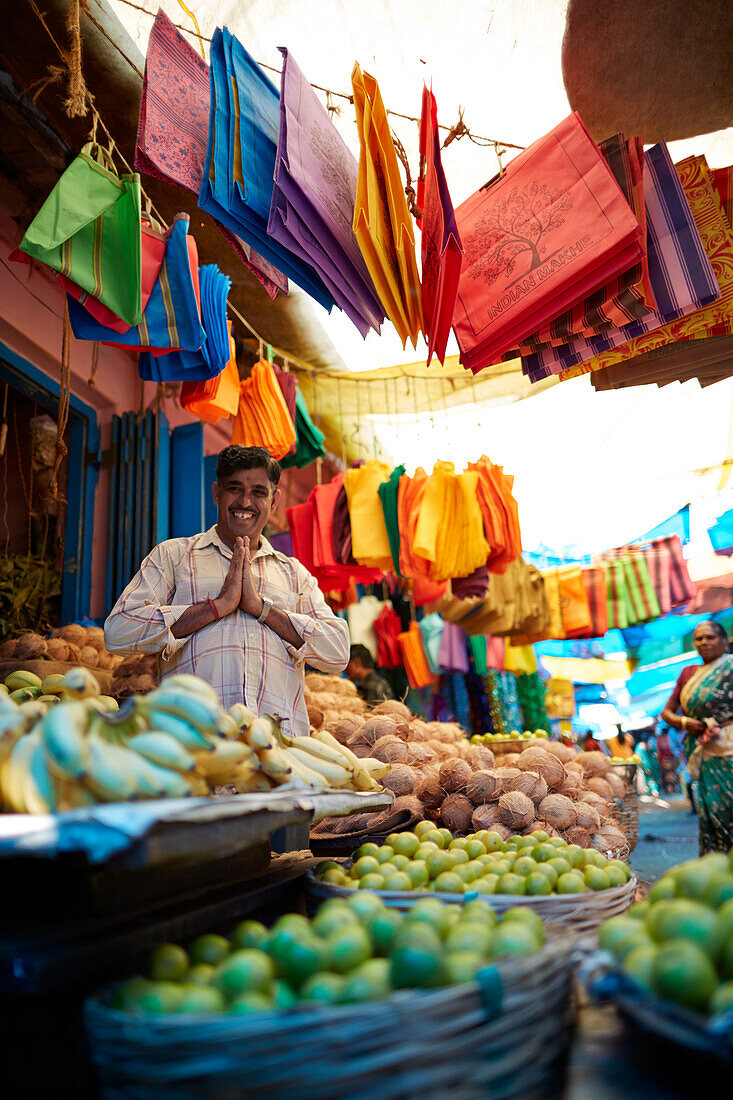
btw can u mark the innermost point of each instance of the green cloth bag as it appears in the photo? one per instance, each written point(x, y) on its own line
point(309, 439)
point(477, 644)
point(388, 491)
point(89, 230)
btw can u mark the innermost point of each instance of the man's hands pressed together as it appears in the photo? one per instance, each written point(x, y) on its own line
point(229, 598)
point(250, 601)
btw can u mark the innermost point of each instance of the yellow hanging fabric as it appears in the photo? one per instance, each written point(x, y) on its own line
point(382, 220)
point(450, 529)
point(369, 539)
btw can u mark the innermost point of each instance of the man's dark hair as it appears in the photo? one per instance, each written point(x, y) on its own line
point(237, 457)
point(361, 653)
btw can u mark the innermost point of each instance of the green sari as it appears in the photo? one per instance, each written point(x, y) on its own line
point(708, 696)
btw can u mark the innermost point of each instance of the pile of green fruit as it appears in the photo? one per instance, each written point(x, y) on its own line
point(352, 951)
point(431, 859)
point(678, 942)
point(515, 735)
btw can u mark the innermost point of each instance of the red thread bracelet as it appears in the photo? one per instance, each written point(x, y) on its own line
point(212, 605)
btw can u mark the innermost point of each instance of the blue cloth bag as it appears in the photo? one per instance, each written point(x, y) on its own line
point(209, 360)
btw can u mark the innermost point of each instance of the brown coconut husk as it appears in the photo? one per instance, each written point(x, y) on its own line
point(545, 764)
point(616, 783)
point(74, 633)
point(400, 779)
point(95, 637)
point(563, 752)
point(419, 754)
point(394, 709)
point(483, 787)
point(7, 650)
point(430, 793)
point(608, 839)
point(56, 649)
point(390, 749)
point(480, 758)
point(516, 810)
point(30, 646)
point(378, 726)
point(346, 727)
point(599, 786)
point(456, 813)
point(573, 785)
point(506, 777)
point(502, 830)
point(359, 746)
point(587, 817)
point(594, 762)
point(89, 656)
point(485, 817)
point(558, 811)
point(532, 785)
point(577, 835)
point(454, 775)
point(510, 759)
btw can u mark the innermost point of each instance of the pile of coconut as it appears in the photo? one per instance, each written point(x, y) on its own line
point(329, 699)
point(72, 644)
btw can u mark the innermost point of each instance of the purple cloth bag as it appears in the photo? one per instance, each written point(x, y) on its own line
point(452, 656)
point(313, 198)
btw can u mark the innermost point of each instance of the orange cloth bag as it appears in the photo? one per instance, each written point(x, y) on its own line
point(217, 398)
point(262, 418)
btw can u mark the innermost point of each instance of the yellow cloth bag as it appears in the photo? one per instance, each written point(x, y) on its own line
point(552, 593)
point(519, 658)
point(450, 532)
point(369, 540)
point(382, 221)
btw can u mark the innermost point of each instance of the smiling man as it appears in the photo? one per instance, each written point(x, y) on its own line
point(226, 606)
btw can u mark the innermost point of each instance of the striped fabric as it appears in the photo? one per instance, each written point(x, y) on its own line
point(173, 127)
point(243, 660)
point(723, 183)
point(682, 275)
point(626, 298)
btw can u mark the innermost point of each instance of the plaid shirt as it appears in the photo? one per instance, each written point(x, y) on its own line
point(243, 660)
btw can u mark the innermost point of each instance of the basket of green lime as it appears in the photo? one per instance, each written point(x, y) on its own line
point(360, 1001)
point(561, 882)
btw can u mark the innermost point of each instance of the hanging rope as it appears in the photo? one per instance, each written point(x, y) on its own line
point(409, 189)
point(76, 103)
point(192, 17)
point(62, 418)
point(95, 363)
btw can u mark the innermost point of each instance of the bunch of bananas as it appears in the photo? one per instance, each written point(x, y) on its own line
point(66, 746)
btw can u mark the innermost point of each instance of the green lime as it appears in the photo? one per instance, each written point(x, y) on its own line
point(404, 844)
point(424, 850)
point(549, 872)
point(629, 943)
point(619, 866)
point(475, 848)
point(681, 918)
point(543, 852)
point(537, 885)
point(158, 998)
point(335, 876)
point(199, 1000)
point(371, 882)
point(469, 936)
point(722, 999)
point(718, 861)
point(401, 863)
point(447, 836)
point(416, 957)
point(526, 915)
point(478, 910)
point(245, 971)
point(594, 858)
point(639, 910)
point(615, 876)
point(424, 827)
point(525, 843)
point(387, 869)
point(596, 879)
point(201, 974)
point(524, 866)
point(694, 879)
point(467, 873)
point(561, 865)
point(438, 862)
point(511, 884)
point(209, 948)
point(326, 865)
point(683, 972)
point(458, 856)
point(368, 849)
point(249, 933)
point(368, 982)
point(614, 930)
point(382, 927)
point(384, 853)
point(557, 842)
point(485, 885)
point(575, 855)
point(448, 882)
point(462, 966)
point(330, 917)
point(398, 881)
point(250, 1004)
point(540, 836)
point(418, 874)
point(283, 995)
point(719, 890)
point(493, 842)
point(480, 835)
point(513, 939)
point(458, 842)
point(168, 963)
point(431, 912)
point(501, 867)
point(347, 948)
point(323, 988)
point(639, 964)
point(571, 882)
point(725, 917)
point(434, 837)
point(364, 905)
point(366, 865)
point(726, 960)
point(663, 890)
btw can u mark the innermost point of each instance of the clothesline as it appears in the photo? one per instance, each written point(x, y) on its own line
point(457, 131)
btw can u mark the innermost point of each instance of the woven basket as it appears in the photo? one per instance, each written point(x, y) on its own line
point(627, 772)
point(627, 812)
point(581, 912)
point(504, 1036)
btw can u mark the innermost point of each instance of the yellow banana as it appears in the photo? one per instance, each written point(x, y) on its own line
point(3, 689)
point(306, 775)
point(80, 683)
point(71, 796)
point(228, 727)
point(246, 778)
point(194, 685)
point(108, 703)
point(181, 729)
point(363, 781)
point(22, 679)
point(108, 774)
point(226, 756)
point(336, 774)
point(8, 736)
point(25, 695)
point(260, 734)
point(161, 748)
point(242, 715)
point(53, 684)
point(275, 764)
point(39, 794)
point(198, 786)
point(320, 749)
point(49, 700)
point(15, 770)
point(376, 768)
point(63, 730)
point(259, 784)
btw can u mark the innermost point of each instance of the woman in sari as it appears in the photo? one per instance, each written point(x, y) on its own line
point(704, 695)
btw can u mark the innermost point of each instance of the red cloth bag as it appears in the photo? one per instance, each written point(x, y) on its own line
point(441, 248)
point(554, 229)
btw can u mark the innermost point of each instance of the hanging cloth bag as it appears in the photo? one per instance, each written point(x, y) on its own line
point(89, 230)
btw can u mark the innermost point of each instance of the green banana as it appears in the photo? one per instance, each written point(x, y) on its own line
point(155, 781)
point(53, 684)
point(163, 749)
point(108, 774)
point(63, 730)
point(108, 703)
point(49, 700)
point(194, 685)
point(194, 709)
point(4, 690)
point(25, 695)
point(39, 794)
point(71, 796)
point(22, 679)
point(181, 729)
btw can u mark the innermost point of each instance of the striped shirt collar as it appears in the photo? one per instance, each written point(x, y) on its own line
point(211, 538)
